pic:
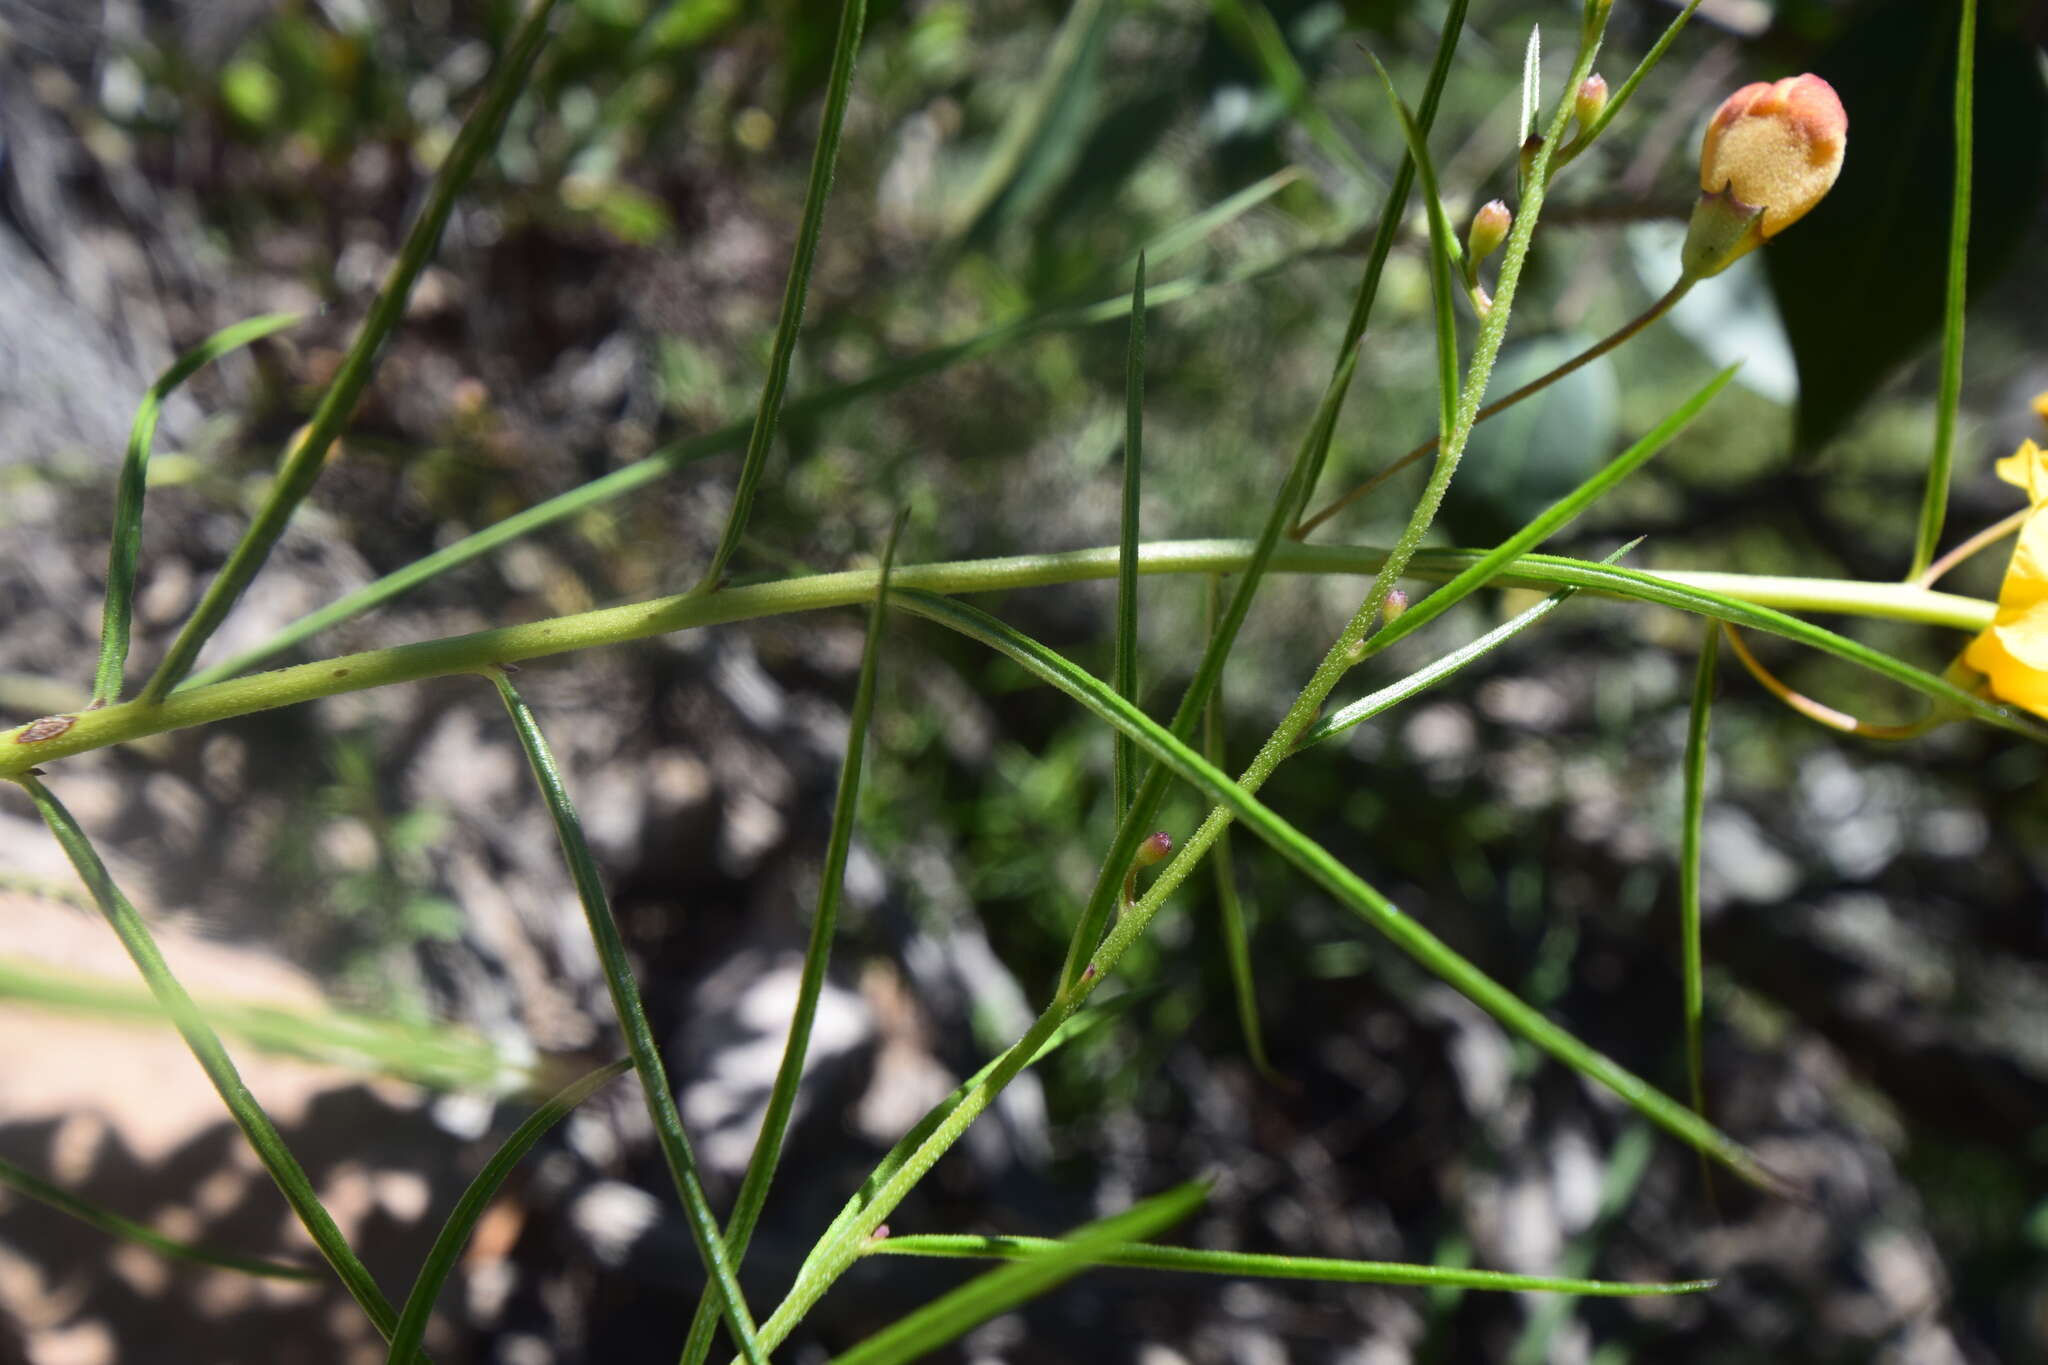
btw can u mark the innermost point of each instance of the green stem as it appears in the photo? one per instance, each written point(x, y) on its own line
point(1627, 90)
point(307, 454)
point(21, 749)
point(1934, 504)
point(1983, 540)
point(840, 1253)
point(1500, 405)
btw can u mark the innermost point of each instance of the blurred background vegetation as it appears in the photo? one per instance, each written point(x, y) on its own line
point(1878, 940)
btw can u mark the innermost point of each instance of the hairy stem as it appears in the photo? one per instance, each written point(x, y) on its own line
point(1500, 405)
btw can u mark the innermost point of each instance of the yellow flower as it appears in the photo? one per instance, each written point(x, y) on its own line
point(2013, 654)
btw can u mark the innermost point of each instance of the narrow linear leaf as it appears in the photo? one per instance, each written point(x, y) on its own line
point(1080, 1025)
point(767, 1153)
point(632, 1015)
point(1442, 248)
point(1032, 120)
point(1255, 31)
point(1697, 593)
point(1197, 227)
point(1551, 519)
point(652, 468)
point(1145, 805)
point(1237, 947)
point(1245, 1265)
point(213, 1058)
point(469, 1209)
point(1627, 89)
point(1862, 286)
point(113, 1224)
point(1532, 85)
point(1435, 671)
point(1347, 887)
point(431, 1054)
point(1934, 503)
point(307, 453)
point(852, 16)
point(1625, 1168)
point(1046, 1265)
point(125, 545)
point(1126, 662)
point(1392, 214)
point(1689, 860)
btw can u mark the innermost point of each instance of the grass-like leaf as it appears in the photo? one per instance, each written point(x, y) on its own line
point(1532, 85)
point(767, 1151)
point(1250, 1266)
point(1689, 860)
point(1195, 699)
point(114, 1225)
point(1627, 89)
point(125, 544)
point(824, 157)
point(1626, 1164)
point(1392, 213)
point(1934, 503)
point(1443, 247)
point(885, 379)
point(462, 1219)
point(1237, 947)
point(1183, 235)
point(632, 1015)
point(1347, 887)
point(1547, 522)
point(429, 1054)
point(1255, 31)
point(213, 1058)
point(308, 451)
point(1436, 670)
point(1033, 119)
point(1037, 1270)
point(1078, 1026)
point(1126, 661)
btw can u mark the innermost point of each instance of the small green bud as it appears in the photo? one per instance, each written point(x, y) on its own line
point(1489, 229)
point(1590, 101)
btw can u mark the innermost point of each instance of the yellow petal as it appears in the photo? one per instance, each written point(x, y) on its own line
point(2013, 679)
point(2027, 468)
point(2026, 577)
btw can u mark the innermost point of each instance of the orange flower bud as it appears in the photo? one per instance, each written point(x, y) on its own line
point(1772, 152)
point(1777, 147)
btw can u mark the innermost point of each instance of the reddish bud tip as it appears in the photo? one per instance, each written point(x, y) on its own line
point(1590, 100)
point(1489, 229)
point(1154, 849)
